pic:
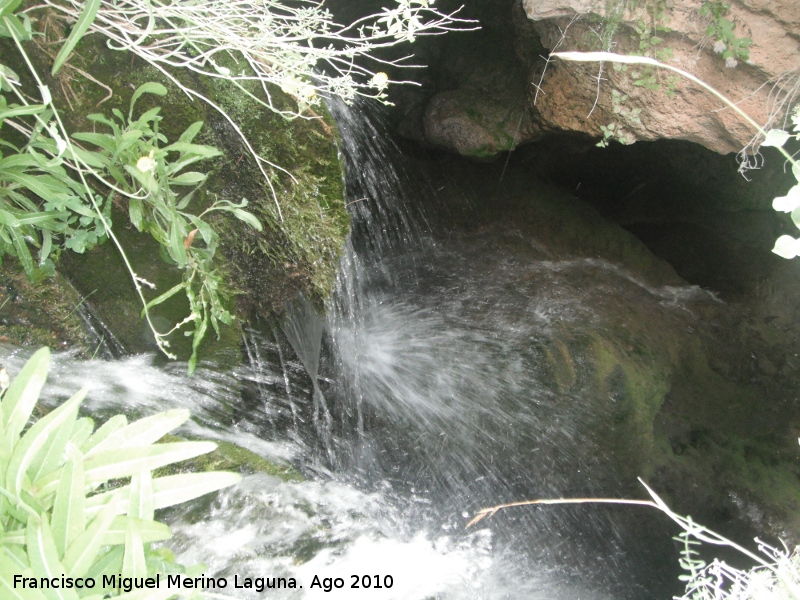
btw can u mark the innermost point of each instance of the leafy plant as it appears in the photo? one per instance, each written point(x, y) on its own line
point(39, 199)
point(56, 194)
point(296, 46)
point(133, 162)
point(650, 27)
point(721, 29)
point(614, 131)
point(79, 502)
point(137, 159)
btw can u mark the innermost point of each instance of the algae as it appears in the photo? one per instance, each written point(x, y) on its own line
point(229, 457)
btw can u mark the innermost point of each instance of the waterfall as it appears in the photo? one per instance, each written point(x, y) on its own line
point(456, 368)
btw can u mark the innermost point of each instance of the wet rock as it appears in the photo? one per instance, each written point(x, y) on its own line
point(639, 102)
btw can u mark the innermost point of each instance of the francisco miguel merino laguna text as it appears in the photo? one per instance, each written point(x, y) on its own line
point(128, 584)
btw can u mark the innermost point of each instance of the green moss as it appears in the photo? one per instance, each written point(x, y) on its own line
point(230, 457)
point(42, 313)
point(636, 386)
point(563, 368)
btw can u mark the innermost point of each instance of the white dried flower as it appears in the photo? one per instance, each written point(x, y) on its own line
point(379, 80)
point(731, 62)
point(146, 164)
point(720, 46)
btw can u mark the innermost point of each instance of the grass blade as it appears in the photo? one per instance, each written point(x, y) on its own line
point(81, 27)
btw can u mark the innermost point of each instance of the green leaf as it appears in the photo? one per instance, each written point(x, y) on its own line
point(195, 149)
point(115, 464)
point(13, 27)
point(133, 563)
point(36, 437)
point(81, 554)
point(142, 432)
point(51, 456)
point(18, 111)
point(102, 140)
point(247, 217)
point(93, 159)
point(14, 556)
point(175, 489)
point(177, 249)
point(205, 229)
point(199, 334)
point(135, 211)
point(81, 431)
point(148, 116)
point(110, 427)
point(23, 393)
point(163, 297)
point(69, 519)
point(109, 563)
point(151, 87)
point(42, 185)
point(8, 6)
point(23, 254)
point(44, 557)
point(190, 133)
point(81, 27)
point(189, 178)
point(7, 589)
point(776, 138)
point(140, 498)
point(149, 530)
point(40, 219)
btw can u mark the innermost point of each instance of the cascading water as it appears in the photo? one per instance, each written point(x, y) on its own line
point(423, 396)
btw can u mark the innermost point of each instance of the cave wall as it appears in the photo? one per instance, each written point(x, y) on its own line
point(495, 89)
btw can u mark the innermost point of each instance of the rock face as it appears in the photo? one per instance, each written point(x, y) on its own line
point(636, 103)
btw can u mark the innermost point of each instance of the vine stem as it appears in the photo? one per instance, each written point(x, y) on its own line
point(644, 60)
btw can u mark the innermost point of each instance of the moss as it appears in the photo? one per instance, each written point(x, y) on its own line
point(42, 313)
point(229, 457)
point(636, 385)
point(302, 241)
point(562, 365)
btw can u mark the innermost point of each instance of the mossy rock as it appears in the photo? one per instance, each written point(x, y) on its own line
point(230, 457)
point(298, 250)
point(41, 313)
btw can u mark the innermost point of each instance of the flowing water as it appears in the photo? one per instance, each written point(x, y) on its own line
point(423, 396)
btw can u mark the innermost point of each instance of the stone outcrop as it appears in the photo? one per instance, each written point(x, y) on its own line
point(638, 103)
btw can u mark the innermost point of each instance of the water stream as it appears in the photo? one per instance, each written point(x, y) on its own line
point(424, 395)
